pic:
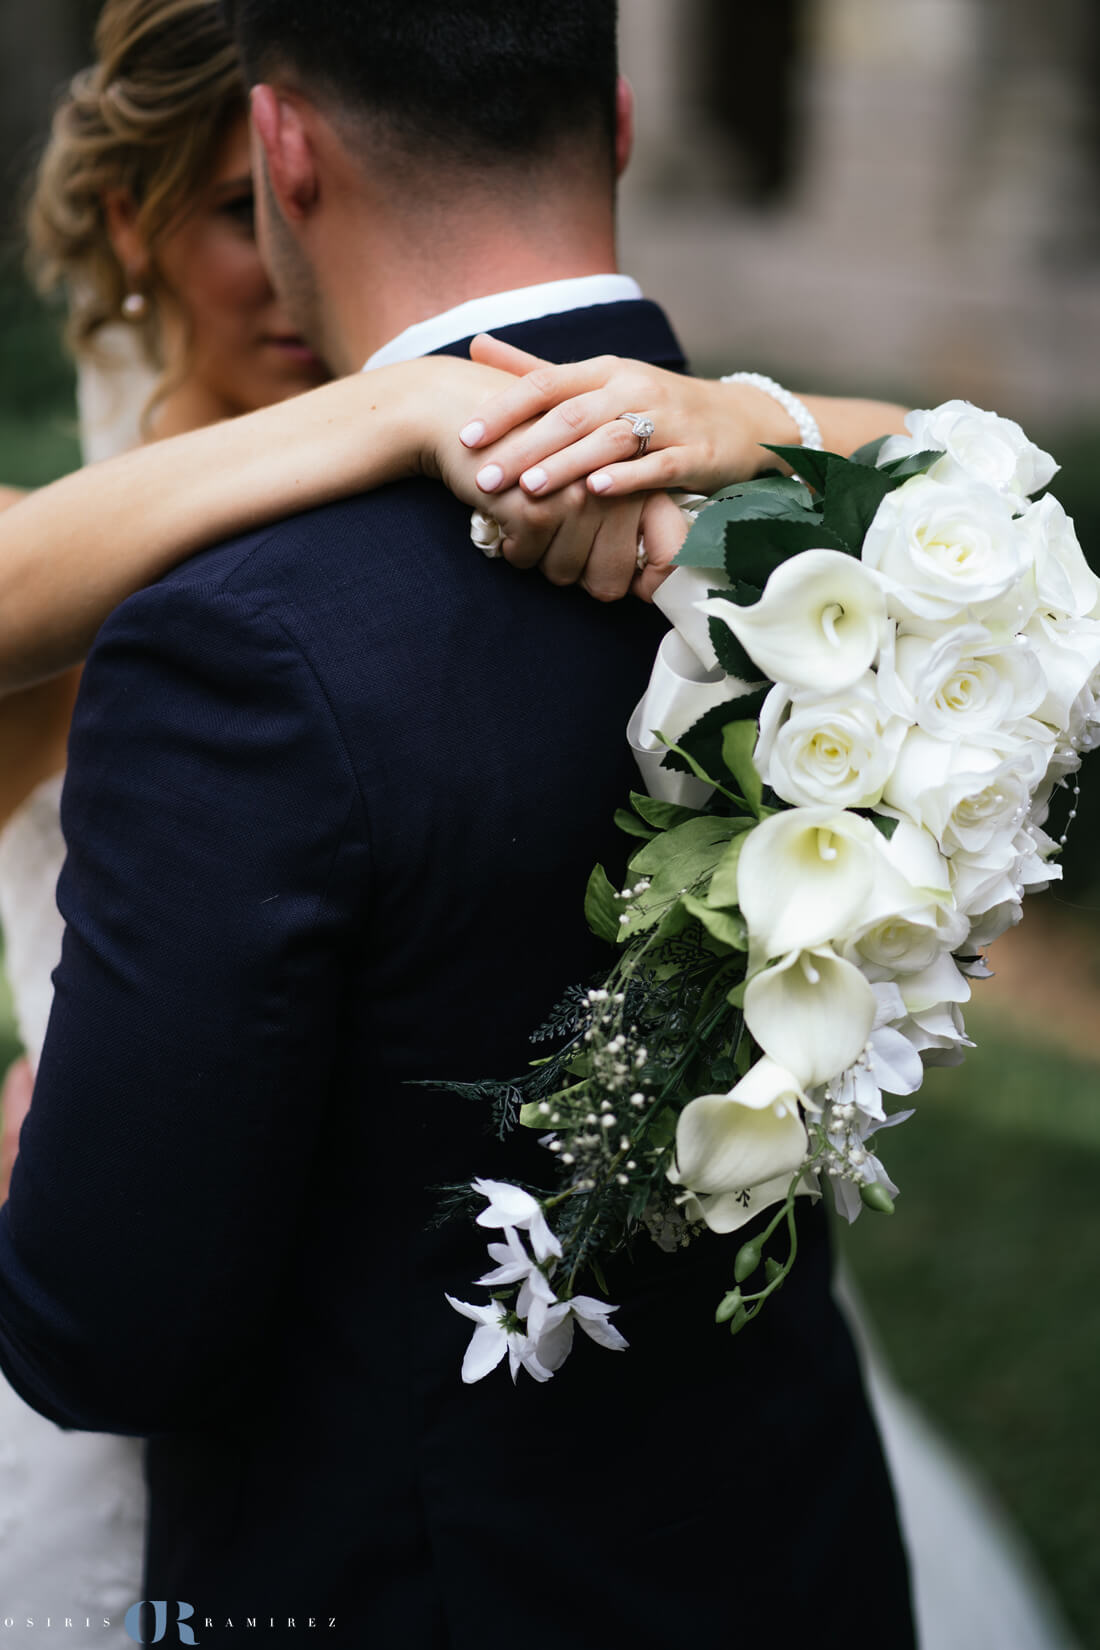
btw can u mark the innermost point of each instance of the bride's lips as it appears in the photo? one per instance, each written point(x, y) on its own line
point(293, 348)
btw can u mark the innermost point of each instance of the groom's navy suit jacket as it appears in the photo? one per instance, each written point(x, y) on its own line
point(334, 792)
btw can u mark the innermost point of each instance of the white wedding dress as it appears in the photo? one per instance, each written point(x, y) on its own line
point(72, 1504)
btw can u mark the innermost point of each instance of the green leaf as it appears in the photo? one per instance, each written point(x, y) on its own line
point(738, 744)
point(673, 861)
point(701, 745)
point(884, 823)
point(754, 549)
point(531, 1118)
point(732, 657)
point(603, 907)
point(776, 498)
point(726, 926)
point(722, 893)
point(632, 825)
point(736, 998)
point(853, 493)
point(661, 815)
point(900, 469)
point(773, 495)
point(868, 453)
point(804, 461)
point(682, 760)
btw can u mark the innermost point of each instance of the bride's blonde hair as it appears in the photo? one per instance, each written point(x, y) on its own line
point(147, 117)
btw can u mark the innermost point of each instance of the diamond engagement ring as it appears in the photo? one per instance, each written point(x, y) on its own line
point(643, 428)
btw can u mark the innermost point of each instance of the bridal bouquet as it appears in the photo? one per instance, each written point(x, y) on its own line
point(879, 673)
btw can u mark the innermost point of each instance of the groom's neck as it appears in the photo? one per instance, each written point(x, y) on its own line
point(395, 271)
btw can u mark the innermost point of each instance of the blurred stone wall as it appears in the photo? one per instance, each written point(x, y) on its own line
point(937, 230)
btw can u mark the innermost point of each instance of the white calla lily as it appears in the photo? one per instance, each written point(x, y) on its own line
point(818, 625)
point(727, 1142)
point(804, 878)
point(812, 1012)
point(726, 1212)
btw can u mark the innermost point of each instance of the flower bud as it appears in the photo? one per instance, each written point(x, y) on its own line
point(877, 1198)
point(729, 1307)
point(748, 1259)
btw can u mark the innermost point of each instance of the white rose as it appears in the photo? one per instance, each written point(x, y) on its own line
point(818, 624)
point(921, 921)
point(753, 1134)
point(1064, 581)
point(1068, 651)
point(985, 878)
point(961, 683)
point(966, 794)
point(995, 903)
point(816, 749)
point(941, 550)
point(812, 1012)
point(804, 878)
point(976, 445)
point(933, 1021)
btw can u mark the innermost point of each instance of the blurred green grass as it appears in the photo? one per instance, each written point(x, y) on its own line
point(982, 1287)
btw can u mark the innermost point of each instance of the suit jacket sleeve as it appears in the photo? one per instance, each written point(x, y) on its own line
point(215, 876)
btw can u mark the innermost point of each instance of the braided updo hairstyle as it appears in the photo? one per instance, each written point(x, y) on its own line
point(148, 118)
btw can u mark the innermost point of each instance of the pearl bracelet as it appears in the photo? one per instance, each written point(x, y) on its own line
point(808, 432)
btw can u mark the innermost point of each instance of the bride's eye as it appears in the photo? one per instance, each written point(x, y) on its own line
point(241, 209)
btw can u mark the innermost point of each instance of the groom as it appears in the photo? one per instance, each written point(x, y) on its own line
point(333, 794)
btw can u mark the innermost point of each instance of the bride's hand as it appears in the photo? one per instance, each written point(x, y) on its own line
point(557, 425)
point(571, 534)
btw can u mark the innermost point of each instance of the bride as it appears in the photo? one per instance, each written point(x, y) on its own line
point(143, 214)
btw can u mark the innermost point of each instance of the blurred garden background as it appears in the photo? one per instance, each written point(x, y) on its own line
point(897, 197)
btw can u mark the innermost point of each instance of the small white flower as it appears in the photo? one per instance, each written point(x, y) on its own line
point(492, 1339)
point(511, 1206)
point(514, 1264)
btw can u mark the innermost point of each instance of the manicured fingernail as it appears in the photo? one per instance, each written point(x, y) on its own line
point(600, 482)
point(490, 478)
point(472, 434)
point(535, 480)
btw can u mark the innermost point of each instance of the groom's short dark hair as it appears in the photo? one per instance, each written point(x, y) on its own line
point(485, 82)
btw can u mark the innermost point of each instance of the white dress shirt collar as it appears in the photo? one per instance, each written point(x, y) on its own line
point(504, 309)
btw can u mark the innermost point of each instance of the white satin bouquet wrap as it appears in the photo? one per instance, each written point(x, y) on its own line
point(876, 680)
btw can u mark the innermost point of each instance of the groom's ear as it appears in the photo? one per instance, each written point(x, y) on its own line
point(624, 124)
point(283, 135)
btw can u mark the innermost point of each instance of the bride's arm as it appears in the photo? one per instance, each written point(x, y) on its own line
point(72, 551)
point(556, 426)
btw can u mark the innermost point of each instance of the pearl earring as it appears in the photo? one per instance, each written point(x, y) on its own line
point(135, 305)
